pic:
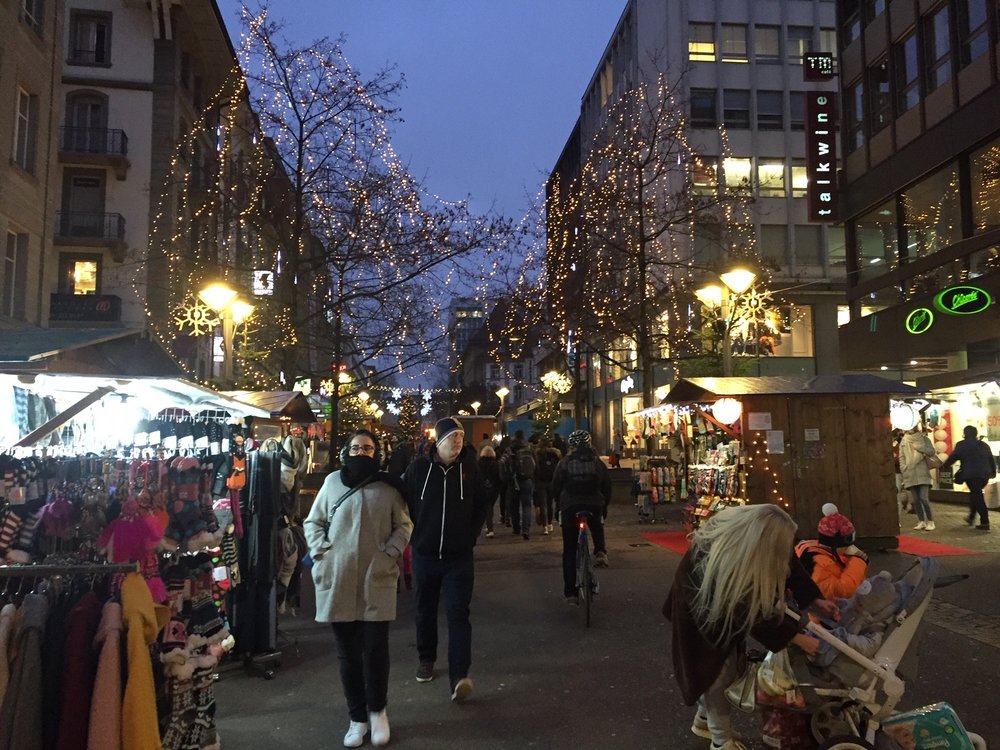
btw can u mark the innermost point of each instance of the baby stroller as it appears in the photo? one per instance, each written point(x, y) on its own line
point(849, 702)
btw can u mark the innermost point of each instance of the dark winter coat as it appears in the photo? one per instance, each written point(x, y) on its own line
point(569, 490)
point(976, 457)
point(698, 660)
point(448, 504)
point(489, 470)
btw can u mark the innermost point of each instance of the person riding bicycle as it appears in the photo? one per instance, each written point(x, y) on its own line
point(581, 483)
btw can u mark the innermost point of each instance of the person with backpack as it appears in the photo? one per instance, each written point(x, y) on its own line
point(546, 458)
point(521, 472)
point(581, 483)
point(489, 470)
point(978, 467)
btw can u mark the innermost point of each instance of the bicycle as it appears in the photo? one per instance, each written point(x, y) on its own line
point(586, 581)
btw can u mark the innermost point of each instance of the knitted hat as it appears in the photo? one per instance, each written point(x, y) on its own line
point(835, 529)
point(578, 438)
point(446, 426)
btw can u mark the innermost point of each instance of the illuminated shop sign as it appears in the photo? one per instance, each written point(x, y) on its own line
point(963, 300)
point(817, 66)
point(955, 300)
point(821, 155)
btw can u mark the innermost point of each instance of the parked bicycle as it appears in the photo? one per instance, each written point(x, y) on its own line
point(586, 582)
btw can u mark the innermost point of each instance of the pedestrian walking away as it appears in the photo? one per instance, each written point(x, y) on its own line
point(356, 530)
point(489, 470)
point(978, 467)
point(448, 504)
point(914, 450)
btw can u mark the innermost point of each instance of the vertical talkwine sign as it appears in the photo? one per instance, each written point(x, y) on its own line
point(821, 155)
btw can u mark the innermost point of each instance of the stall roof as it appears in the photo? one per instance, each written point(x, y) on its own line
point(291, 405)
point(688, 390)
point(93, 351)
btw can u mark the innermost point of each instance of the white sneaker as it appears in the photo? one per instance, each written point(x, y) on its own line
point(921, 525)
point(930, 526)
point(699, 727)
point(730, 744)
point(356, 733)
point(490, 535)
point(463, 689)
point(380, 728)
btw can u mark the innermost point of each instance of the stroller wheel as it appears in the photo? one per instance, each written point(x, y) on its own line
point(844, 742)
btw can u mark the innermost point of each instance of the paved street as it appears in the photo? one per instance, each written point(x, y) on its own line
point(544, 681)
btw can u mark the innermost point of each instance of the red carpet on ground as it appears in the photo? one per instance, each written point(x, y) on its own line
point(926, 548)
point(675, 541)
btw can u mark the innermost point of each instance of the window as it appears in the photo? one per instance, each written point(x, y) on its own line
point(880, 106)
point(985, 180)
point(877, 242)
point(932, 213)
point(494, 372)
point(774, 242)
point(771, 178)
point(767, 44)
point(769, 110)
point(800, 41)
point(33, 13)
point(734, 43)
point(15, 262)
point(797, 110)
point(736, 109)
point(704, 178)
point(873, 9)
point(800, 179)
point(25, 130)
point(836, 247)
point(701, 42)
point(703, 110)
point(607, 82)
point(854, 116)
point(828, 41)
point(519, 370)
point(736, 172)
point(90, 38)
point(937, 49)
point(706, 241)
point(907, 74)
point(80, 274)
point(973, 38)
point(807, 240)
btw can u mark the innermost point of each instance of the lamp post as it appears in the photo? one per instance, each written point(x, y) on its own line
point(502, 392)
point(232, 310)
point(475, 407)
point(734, 283)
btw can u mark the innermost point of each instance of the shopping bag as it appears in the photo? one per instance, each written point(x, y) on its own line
point(743, 692)
point(776, 682)
point(933, 462)
point(992, 495)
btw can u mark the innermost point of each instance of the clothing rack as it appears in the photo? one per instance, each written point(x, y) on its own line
point(44, 571)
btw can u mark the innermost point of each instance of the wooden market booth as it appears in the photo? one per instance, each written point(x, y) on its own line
point(808, 440)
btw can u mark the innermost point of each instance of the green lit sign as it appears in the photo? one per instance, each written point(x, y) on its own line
point(963, 300)
point(919, 321)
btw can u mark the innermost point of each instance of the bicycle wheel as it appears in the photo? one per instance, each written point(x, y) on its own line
point(584, 592)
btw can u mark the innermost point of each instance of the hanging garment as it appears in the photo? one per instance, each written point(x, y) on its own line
point(105, 731)
point(6, 626)
point(21, 712)
point(143, 622)
point(78, 673)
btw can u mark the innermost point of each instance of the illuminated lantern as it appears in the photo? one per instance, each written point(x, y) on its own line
point(727, 410)
point(903, 416)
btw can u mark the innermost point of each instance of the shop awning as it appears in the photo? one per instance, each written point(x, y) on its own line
point(694, 390)
point(92, 351)
point(290, 405)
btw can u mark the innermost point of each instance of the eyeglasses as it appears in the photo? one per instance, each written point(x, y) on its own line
point(367, 449)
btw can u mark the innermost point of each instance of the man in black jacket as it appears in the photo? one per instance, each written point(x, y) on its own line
point(448, 505)
point(978, 468)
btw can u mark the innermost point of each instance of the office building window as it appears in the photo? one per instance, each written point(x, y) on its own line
point(836, 248)
point(33, 14)
point(854, 115)
point(907, 69)
point(828, 41)
point(25, 130)
point(771, 178)
point(494, 372)
point(12, 276)
point(985, 180)
point(704, 177)
point(877, 242)
point(706, 242)
point(703, 108)
point(736, 173)
point(774, 242)
point(734, 43)
point(800, 41)
point(797, 110)
point(800, 179)
point(770, 105)
point(932, 213)
point(701, 42)
point(937, 49)
point(519, 370)
point(736, 109)
point(807, 241)
point(880, 106)
point(767, 44)
point(79, 274)
point(90, 38)
point(973, 24)
point(873, 9)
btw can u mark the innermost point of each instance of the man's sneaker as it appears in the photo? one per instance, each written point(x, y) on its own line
point(545, 530)
point(601, 560)
point(574, 600)
point(463, 689)
point(425, 672)
point(969, 520)
point(929, 526)
point(983, 526)
point(700, 727)
point(356, 733)
point(921, 525)
point(730, 744)
point(490, 535)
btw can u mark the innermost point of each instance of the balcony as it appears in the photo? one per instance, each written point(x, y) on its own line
point(85, 308)
point(106, 147)
point(92, 230)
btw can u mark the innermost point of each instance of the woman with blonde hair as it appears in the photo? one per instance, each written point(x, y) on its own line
point(731, 584)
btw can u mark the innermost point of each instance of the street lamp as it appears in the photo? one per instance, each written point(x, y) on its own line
point(475, 407)
point(734, 283)
point(232, 310)
point(502, 392)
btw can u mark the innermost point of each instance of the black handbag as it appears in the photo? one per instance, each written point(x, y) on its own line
point(959, 477)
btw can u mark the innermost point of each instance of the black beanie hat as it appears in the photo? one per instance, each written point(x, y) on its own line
point(445, 427)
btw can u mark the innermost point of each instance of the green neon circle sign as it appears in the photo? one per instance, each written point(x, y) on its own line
point(919, 321)
point(963, 300)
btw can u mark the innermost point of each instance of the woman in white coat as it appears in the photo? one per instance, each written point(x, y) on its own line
point(913, 448)
point(356, 530)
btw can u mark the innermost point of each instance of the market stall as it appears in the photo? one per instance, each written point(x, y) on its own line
point(798, 442)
